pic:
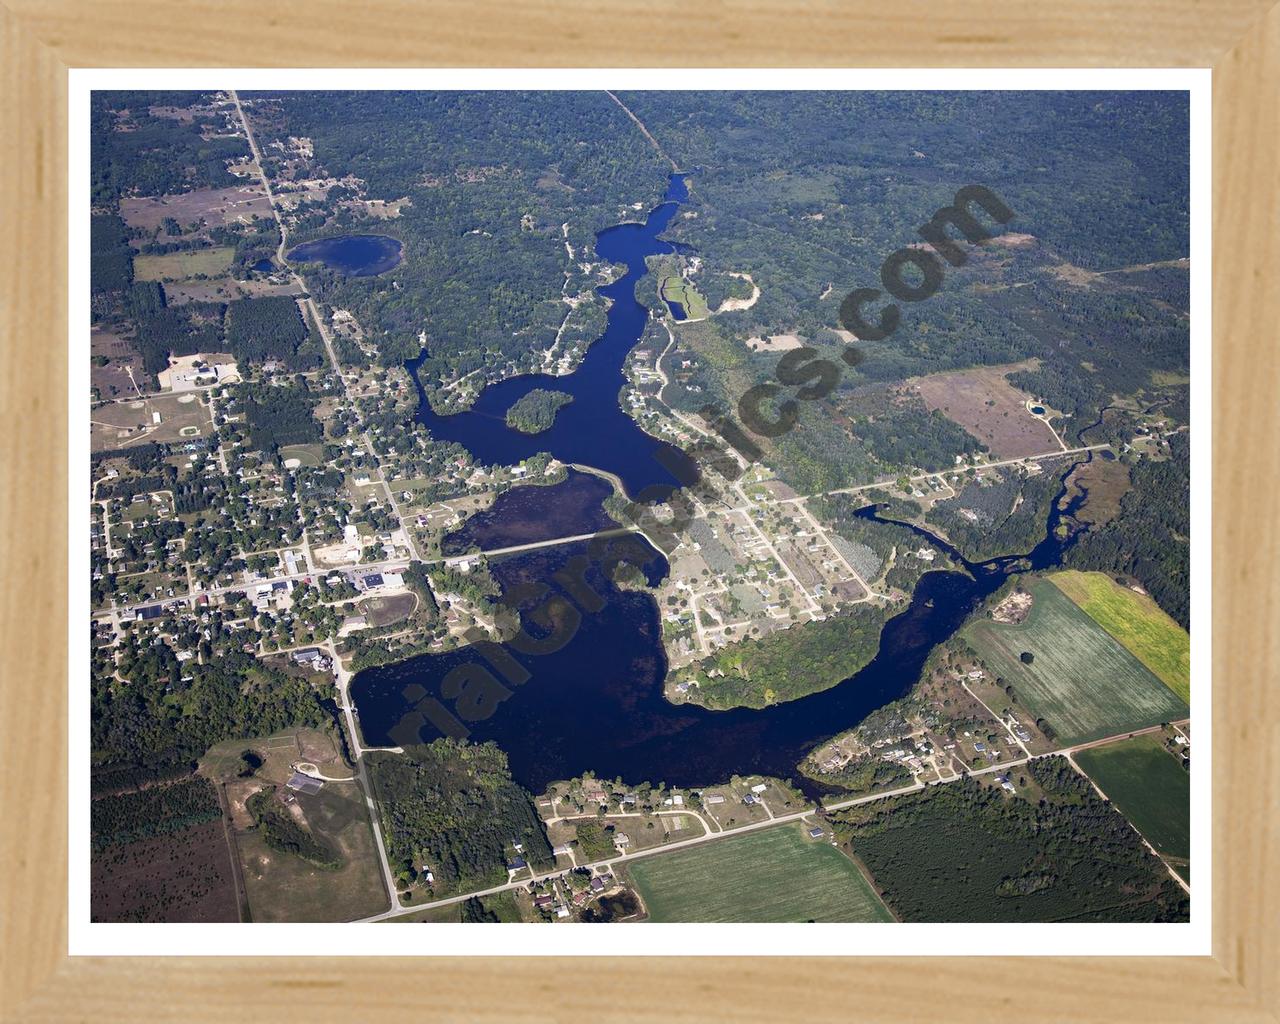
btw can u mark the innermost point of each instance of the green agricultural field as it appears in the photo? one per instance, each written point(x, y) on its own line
point(1137, 622)
point(1081, 681)
point(774, 874)
point(176, 266)
point(1148, 786)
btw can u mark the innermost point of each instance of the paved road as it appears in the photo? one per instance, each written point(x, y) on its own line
point(318, 320)
point(942, 473)
point(343, 678)
point(781, 819)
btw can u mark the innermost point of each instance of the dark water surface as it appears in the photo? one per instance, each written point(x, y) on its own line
point(525, 515)
point(352, 255)
point(592, 430)
point(597, 703)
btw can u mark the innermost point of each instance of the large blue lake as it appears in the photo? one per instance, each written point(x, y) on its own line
point(352, 255)
point(592, 430)
point(596, 702)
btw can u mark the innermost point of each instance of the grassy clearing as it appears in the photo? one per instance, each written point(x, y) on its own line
point(306, 454)
point(1149, 787)
point(383, 611)
point(1104, 484)
point(176, 266)
point(1137, 622)
point(775, 874)
point(1081, 681)
point(282, 886)
point(983, 402)
point(674, 288)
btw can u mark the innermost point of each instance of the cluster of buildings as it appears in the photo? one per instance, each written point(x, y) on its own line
point(380, 581)
point(312, 658)
point(190, 373)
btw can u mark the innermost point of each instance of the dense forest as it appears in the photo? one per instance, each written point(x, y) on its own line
point(134, 151)
point(967, 852)
point(110, 261)
point(491, 179)
point(535, 412)
point(153, 811)
point(279, 416)
point(1090, 174)
point(810, 231)
point(453, 807)
point(1100, 341)
point(166, 711)
point(998, 513)
point(253, 330)
point(1150, 539)
point(271, 328)
point(162, 331)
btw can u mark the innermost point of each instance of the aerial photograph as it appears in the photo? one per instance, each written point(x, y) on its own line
point(590, 506)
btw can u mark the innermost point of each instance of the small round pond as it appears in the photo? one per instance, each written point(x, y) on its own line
point(351, 255)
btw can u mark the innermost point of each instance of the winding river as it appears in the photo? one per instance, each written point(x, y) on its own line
point(593, 429)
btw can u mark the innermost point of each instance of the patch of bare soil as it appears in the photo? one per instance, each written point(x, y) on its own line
point(1013, 609)
point(990, 408)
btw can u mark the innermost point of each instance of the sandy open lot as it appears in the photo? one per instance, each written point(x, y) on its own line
point(211, 206)
point(990, 408)
point(126, 423)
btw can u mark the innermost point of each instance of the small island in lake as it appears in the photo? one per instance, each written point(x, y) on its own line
point(536, 411)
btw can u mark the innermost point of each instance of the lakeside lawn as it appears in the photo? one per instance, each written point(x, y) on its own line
point(674, 288)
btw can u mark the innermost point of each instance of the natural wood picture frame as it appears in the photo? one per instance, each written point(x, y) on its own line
point(41, 39)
